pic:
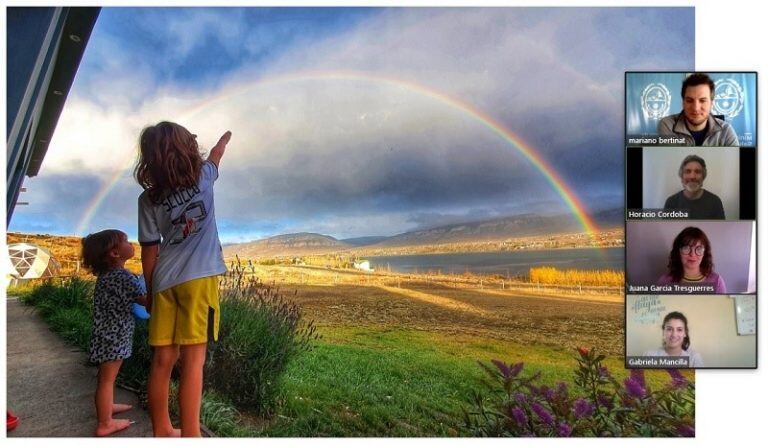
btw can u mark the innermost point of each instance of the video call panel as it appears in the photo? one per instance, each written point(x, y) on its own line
point(710, 331)
point(654, 105)
point(691, 202)
point(691, 257)
point(658, 177)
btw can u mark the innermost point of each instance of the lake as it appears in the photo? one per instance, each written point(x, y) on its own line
point(507, 263)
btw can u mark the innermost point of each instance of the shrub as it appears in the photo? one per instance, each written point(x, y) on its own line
point(135, 370)
point(602, 406)
point(73, 295)
point(551, 275)
point(260, 332)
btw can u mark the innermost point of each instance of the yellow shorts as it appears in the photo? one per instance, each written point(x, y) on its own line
point(186, 314)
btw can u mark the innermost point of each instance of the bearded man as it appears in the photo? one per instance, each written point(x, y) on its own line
point(695, 123)
point(700, 203)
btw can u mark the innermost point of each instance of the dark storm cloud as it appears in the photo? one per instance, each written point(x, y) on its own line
point(371, 156)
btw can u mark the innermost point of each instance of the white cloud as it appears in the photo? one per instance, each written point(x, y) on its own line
point(373, 151)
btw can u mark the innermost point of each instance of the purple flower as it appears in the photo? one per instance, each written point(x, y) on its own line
point(686, 431)
point(562, 389)
point(546, 392)
point(638, 375)
point(603, 372)
point(515, 369)
point(519, 416)
point(505, 371)
point(678, 381)
point(564, 430)
point(605, 400)
point(634, 388)
point(583, 408)
point(542, 413)
point(521, 398)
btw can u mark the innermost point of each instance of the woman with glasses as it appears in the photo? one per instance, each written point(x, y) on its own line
point(690, 261)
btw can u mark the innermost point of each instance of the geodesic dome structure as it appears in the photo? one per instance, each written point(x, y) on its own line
point(30, 262)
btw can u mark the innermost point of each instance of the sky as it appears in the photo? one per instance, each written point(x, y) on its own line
point(339, 119)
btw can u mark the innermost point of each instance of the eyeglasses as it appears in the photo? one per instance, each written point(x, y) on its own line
point(697, 250)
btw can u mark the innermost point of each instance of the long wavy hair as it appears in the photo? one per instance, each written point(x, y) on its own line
point(169, 159)
point(678, 316)
point(689, 236)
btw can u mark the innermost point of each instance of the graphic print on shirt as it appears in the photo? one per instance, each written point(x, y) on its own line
point(194, 212)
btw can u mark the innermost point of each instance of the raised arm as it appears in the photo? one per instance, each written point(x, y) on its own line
point(218, 151)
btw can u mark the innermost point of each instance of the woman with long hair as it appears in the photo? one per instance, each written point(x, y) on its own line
point(676, 340)
point(690, 261)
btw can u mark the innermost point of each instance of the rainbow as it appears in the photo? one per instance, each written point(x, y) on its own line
point(98, 199)
point(553, 177)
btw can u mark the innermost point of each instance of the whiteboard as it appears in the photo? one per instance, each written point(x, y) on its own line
point(746, 314)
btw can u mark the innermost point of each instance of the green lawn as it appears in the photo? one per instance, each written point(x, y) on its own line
point(384, 382)
point(362, 380)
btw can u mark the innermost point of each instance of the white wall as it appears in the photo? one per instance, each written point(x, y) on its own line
point(661, 180)
point(711, 327)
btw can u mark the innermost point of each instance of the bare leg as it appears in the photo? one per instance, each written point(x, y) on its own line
point(191, 388)
point(163, 359)
point(120, 408)
point(104, 400)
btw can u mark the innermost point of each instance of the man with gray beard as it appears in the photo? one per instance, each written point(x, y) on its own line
point(700, 203)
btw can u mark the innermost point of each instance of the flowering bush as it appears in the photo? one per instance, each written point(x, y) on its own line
point(261, 331)
point(600, 406)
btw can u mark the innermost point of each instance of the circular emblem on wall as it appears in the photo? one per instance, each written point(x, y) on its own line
point(729, 98)
point(656, 101)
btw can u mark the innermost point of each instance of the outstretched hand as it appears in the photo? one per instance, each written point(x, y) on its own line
point(224, 139)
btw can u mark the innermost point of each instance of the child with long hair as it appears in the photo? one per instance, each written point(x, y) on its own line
point(181, 258)
point(105, 253)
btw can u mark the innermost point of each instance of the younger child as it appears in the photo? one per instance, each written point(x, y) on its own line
point(105, 253)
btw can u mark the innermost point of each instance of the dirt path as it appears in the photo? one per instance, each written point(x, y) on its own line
point(50, 387)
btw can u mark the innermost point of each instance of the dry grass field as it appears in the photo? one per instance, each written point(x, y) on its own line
point(518, 312)
point(398, 352)
point(470, 305)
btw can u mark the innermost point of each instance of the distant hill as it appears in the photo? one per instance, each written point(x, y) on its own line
point(296, 244)
point(501, 228)
point(365, 240)
point(498, 229)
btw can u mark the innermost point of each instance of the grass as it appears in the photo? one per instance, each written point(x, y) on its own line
point(373, 381)
point(401, 359)
point(66, 307)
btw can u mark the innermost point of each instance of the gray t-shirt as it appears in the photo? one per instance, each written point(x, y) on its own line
point(185, 227)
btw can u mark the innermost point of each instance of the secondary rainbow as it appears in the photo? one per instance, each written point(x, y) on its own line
point(553, 177)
